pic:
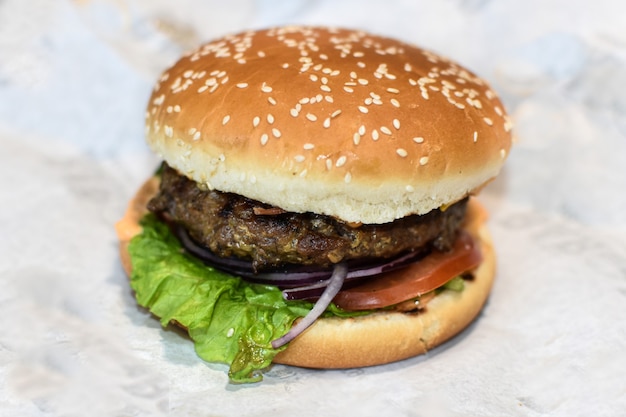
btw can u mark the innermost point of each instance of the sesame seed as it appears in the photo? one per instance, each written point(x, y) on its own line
point(396, 123)
point(242, 85)
point(203, 89)
point(475, 136)
point(266, 88)
point(508, 125)
point(356, 138)
point(325, 88)
point(393, 90)
point(409, 188)
point(256, 121)
point(313, 77)
point(362, 130)
point(498, 110)
point(177, 108)
point(276, 133)
point(304, 100)
point(395, 102)
point(225, 119)
point(169, 109)
point(264, 138)
point(363, 81)
point(488, 121)
point(360, 64)
point(407, 67)
point(293, 112)
point(423, 160)
point(347, 178)
point(368, 101)
point(402, 152)
point(196, 136)
point(375, 135)
point(334, 73)
point(311, 117)
point(418, 139)
point(353, 75)
point(329, 164)
point(329, 99)
point(335, 113)
point(308, 146)
point(363, 109)
point(270, 118)
point(448, 84)
point(327, 122)
point(385, 130)
point(159, 100)
point(502, 153)
point(169, 132)
point(341, 161)
point(348, 89)
point(299, 158)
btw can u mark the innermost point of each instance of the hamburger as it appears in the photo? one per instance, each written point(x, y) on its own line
point(316, 201)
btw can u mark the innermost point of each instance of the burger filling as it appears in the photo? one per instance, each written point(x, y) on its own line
point(230, 225)
point(245, 323)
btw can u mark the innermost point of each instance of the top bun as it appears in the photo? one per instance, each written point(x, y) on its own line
point(332, 121)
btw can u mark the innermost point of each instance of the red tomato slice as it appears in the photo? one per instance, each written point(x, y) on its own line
point(416, 279)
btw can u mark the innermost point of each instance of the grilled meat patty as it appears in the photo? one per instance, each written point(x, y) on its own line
point(231, 225)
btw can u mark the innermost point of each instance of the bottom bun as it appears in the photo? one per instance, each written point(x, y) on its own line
point(373, 339)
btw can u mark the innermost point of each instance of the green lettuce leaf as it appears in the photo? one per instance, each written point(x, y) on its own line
point(230, 320)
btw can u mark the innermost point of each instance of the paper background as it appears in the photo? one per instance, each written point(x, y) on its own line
point(74, 81)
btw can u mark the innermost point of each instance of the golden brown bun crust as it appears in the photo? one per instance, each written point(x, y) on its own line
point(338, 122)
point(356, 342)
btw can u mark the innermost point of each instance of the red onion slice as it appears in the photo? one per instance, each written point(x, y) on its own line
point(334, 285)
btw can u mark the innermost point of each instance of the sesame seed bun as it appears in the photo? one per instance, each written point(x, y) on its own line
point(336, 122)
point(373, 339)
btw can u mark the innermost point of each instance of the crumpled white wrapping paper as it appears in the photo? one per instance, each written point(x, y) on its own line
point(74, 80)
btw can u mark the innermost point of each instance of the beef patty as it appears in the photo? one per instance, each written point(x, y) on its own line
point(231, 225)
